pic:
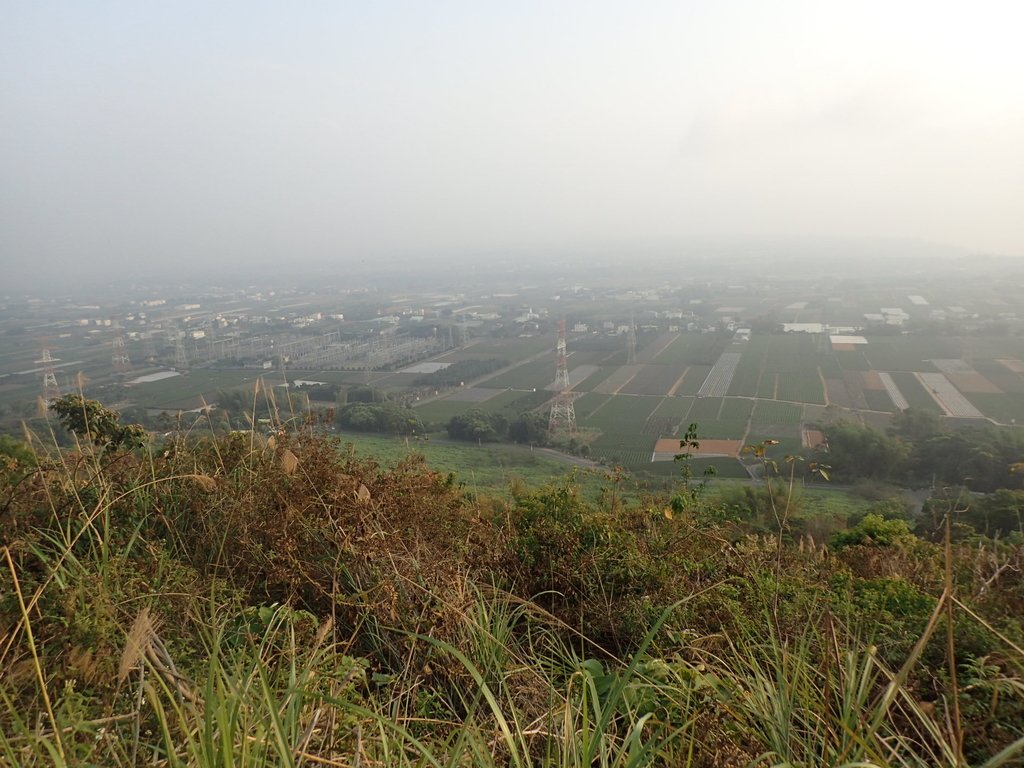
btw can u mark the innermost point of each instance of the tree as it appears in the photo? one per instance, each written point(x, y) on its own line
point(473, 425)
point(101, 426)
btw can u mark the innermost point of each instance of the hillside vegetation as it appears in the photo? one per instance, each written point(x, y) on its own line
point(245, 600)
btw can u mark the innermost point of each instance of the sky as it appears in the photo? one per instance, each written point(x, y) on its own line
point(237, 136)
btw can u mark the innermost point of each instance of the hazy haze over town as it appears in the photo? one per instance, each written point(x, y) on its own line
point(239, 138)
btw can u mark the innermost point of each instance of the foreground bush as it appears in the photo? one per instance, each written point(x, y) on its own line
point(283, 601)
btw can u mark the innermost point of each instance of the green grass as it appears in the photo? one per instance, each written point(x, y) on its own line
point(489, 466)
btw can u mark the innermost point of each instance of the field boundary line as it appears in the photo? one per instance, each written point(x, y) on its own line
point(679, 382)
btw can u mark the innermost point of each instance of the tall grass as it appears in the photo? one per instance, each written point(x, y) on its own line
point(245, 601)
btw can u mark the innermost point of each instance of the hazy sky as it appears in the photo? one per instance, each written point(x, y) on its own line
point(252, 133)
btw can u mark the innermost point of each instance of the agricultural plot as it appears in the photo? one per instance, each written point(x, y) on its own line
point(768, 385)
point(736, 409)
point(838, 393)
point(705, 410)
point(720, 376)
point(589, 383)
point(586, 405)
point(661, 425)
point(676, 407)
point(618, 379)
point(537, 374)
point(655, 347)
point(440, 412)
point(630, 450)
point(189, 390)
point(803, 386)
point(475, 395)
point(911, 353)
point(723, 429)
point(791, 353)
point(878, 400)
point(829, 366)
point(694, 349)
point(893, 391)
point(973, 382)
point(790, 441)
point(775, 412)
point(622, 414)
point(746, 377)
point(577, 375)
point(853, 360)
point(1006, 409)
point(1002, 376)
point(914, 393)
point(948, 396)
point(653, 380)
point(693, 380)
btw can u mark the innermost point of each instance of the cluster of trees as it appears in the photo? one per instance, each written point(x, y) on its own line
point(456, 373)
point(478, 426)
point(919, 450)
point(388, 418)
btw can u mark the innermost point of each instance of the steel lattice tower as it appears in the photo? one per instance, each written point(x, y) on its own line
point(631, 342)
point(119, 358)
point(51, 390)
point(563, 414)
point(180, 357)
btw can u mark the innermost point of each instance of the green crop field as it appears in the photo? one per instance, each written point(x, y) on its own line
point(654, 380)
point(678, 407)
point(693, 380)
point(853, 361)
point(190, 387)
point(537, 374)
point(914, 392)
point(803, 386)
point(773, 412)
point(722, 429)
point(910, 353)
point(829, 366)
point(1001, 376)
point(878, 400)
point(1006, 409)
point(694, 349)
point(594, 379)
point(736, 409)
point(622, 414)
point(749, 370)
point(586, 405)
point(705, 409)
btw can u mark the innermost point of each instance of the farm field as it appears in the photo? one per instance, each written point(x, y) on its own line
point(694, 349)
point(785, 376)
point(654, 380)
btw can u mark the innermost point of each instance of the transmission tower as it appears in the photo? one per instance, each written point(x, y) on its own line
point(119, 358)
point(180, 358)
point(51, 391)
point(563, 414)
point(148, 346)
point(631, 342)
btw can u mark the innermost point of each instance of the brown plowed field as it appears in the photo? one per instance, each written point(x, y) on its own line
point(872, 380)
point(974, 383)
